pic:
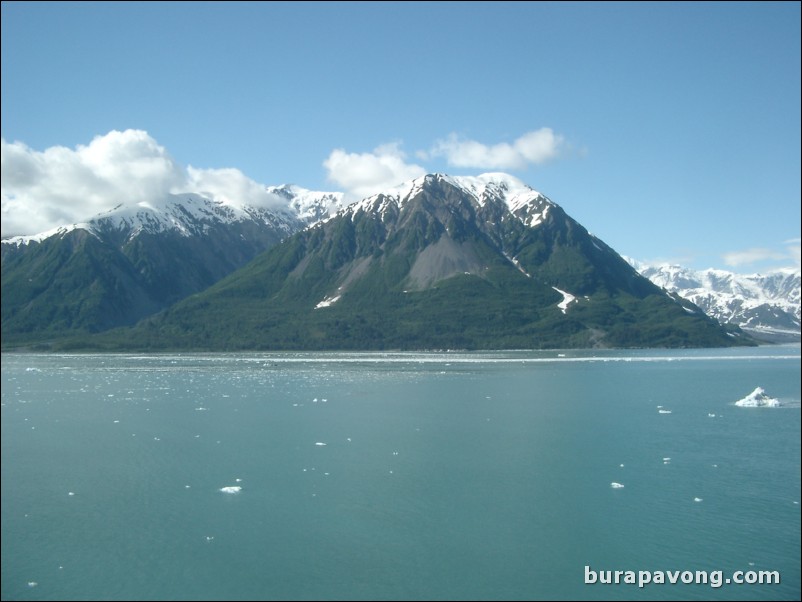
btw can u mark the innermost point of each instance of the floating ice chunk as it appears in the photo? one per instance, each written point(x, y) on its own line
point(238, 480)
point(697, 499)
point(209, 537)
point(615, 485)
point(231, 489)
point(666, 459)
point(71, 493)
point(320, 444)
point(201, 409)
point(116, 422)
point(709, 415)
point(663, 411)
point(621, 465)
point(758, 399)
point(32, 584)
point(348, 439)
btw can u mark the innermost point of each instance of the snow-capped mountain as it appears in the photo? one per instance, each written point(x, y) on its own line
point(437, 262)
point(519, 199)
point(767, 305)
point(310, 206)
point(482, 261)
point(186, 214)
point(131, 261)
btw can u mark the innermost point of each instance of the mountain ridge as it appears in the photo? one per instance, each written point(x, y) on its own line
point(436, 262)
point(439, 261)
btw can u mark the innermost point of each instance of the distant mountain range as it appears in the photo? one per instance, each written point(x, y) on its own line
point(438, 262)
point(765, 305)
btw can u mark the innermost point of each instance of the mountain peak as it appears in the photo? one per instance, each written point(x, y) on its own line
point(310, 205)
point(499, 189)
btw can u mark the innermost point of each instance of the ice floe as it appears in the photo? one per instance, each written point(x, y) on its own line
point(615, 485)
point(663, 411)
point(231, 489)
point(758, 399)
point(320, 444)
point(697, 499)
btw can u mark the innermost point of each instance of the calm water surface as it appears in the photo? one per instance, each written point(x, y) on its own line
point(396, 476)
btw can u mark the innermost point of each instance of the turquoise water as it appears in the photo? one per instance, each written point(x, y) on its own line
point(443, 476)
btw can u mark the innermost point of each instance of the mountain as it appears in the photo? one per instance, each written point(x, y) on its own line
point(438, 262)
point(765, 305)
point(129, 262)
point(311, 206)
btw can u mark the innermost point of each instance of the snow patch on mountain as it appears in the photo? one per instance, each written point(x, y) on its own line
point(568, 298)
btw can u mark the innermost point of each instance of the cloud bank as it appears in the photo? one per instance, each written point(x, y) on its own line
point(533, 148)
point(44, 189)
point(364, 174)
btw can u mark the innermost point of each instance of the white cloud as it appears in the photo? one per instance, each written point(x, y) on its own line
point(794, 251)
point(753, 255)
point(533, 148)
point(363, 174)
point(230, 186)
point(57, 186)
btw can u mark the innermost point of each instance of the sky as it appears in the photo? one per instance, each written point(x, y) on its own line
point(669, 130)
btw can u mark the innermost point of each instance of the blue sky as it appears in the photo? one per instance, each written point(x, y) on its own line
point(671, 131)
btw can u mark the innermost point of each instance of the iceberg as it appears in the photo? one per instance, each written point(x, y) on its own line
point(615, 485)
point(231, 489)
point(758, 399)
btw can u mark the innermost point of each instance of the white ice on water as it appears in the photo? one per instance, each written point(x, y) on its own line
point(758, 399)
